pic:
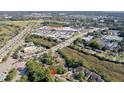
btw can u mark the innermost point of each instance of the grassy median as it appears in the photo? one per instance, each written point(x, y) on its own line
point(9, 29)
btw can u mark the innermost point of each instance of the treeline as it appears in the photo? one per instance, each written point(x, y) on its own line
point(54, 64)
point(38, 40)
point(47, 23)
point(76, 58)
point(71, 62)
point(35, 72)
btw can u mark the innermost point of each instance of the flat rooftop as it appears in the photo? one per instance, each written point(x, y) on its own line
point(112, 37)
point(57, 28)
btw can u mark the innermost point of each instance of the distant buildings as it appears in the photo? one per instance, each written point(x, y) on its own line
point(56, 32)
point(109, 39)
point(87, 38)
point(112, 38)
point(109, 45)
point(111, 42)
point(114, 32)
point(57, 28)
point(110, 32)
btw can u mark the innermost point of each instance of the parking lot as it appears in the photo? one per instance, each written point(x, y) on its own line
point(55, 34)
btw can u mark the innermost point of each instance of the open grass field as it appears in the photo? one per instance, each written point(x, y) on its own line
point(107, 70)
point(9, 29)
point(16, 23)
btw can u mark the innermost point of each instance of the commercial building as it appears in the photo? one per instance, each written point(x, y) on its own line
point(112, 38)
point(57, 28)
point(56, 32)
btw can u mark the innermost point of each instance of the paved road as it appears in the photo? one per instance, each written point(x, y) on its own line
point(64, 44)
point(5, 67)
point(11, 45)
point(14, 41)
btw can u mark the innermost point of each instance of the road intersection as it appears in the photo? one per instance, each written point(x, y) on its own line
point(5, 67)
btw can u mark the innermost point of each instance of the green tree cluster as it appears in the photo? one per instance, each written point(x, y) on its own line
point(58, 68)
point(24, 78)
point(47, 23)
point(37, 73)
point(95, 44)
point(38, 40)
point(78, 41)
point(47, 59)
point(79, 76)
point(70, 62)
point(11, 75)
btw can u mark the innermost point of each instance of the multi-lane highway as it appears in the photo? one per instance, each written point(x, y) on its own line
point(12, 44)
point(14, 41)
point(5, 67)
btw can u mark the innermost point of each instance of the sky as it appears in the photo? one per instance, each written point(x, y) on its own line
point(62, 5)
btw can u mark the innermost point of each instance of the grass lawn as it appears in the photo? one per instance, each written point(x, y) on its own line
point(9, 29)
point(107, 70)
point(16, 23)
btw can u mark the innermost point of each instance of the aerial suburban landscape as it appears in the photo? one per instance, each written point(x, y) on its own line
point(71, 46)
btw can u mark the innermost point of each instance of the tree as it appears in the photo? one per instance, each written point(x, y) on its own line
point(47, 59)
point(11, 75)
point(94, 44)
point(60, 69)
point(37, 73)
point(79, 76)
point(23, 79)
point(57, 69)
point(78, 40)
point(71, 63)
point(15, 54)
